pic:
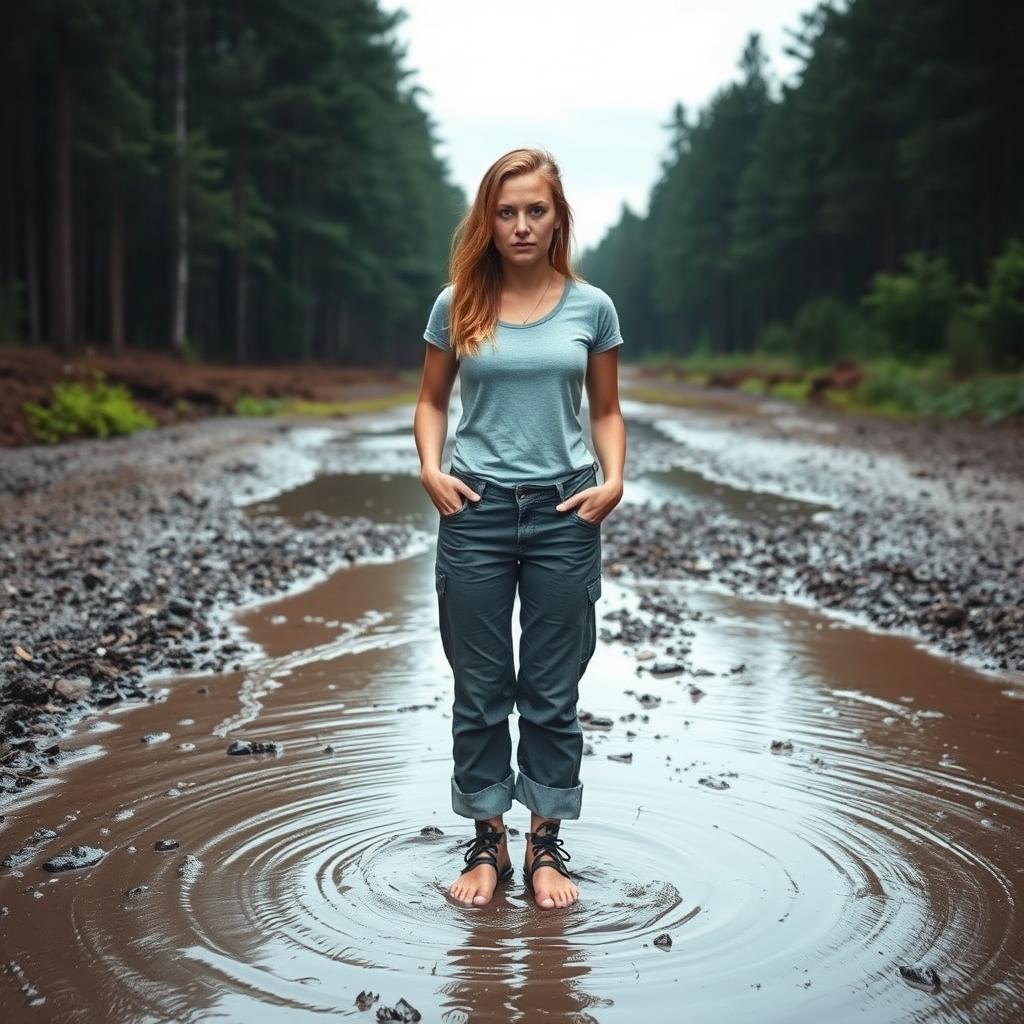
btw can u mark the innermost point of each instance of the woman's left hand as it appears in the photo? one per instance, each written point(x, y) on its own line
point(593, 503)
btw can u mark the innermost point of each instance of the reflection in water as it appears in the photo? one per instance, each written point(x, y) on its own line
point(519, 969)
point(793, 884)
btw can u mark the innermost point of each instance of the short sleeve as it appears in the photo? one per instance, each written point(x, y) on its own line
point(606, 331)
point(436, 331)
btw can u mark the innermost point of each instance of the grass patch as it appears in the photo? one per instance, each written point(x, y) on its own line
point(251, 405)
point(77, 410)
point(792, 390)
point(895, 389)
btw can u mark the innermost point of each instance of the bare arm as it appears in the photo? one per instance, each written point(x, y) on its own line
point(430, 429)
point(608, 432)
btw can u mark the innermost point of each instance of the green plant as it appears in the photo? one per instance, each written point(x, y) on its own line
point(793, 390)
point(824, 330)
point(76, 410)
point(253, 405)
point(911, 310)
point(776, 340)
point(1001, 311)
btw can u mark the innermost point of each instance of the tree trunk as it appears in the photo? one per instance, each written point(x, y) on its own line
point(241, 263)
point(180, 309)
point(117, 264)
point(61, 260)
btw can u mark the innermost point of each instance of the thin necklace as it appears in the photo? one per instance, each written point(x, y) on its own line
point(539, 301)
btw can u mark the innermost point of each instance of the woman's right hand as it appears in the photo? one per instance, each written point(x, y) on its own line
point(447, 491)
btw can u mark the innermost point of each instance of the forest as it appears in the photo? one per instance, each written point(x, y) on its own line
point(247, 182)
point(870, 207)
point(257, 183)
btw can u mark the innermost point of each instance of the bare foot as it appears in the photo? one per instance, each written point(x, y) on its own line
point(550, 887)
point(476, 886)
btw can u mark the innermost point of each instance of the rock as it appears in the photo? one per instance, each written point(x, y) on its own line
point(663, 941)
point(921, 977)
point(75, 857)
point(782, 747)
point(666, 668)
point(712, 783)
point(156, 737)
point(366, 999)
point(255, 747)
point(166, 844)
point(29, 850)
point(402, 1012)
point(136, 891)
point(72, 689)
point(431, 831)
point(189, 868)
point(626, 758)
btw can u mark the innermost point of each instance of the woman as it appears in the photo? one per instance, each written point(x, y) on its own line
point(520, 508)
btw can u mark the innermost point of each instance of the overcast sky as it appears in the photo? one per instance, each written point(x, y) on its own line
point(591, 81)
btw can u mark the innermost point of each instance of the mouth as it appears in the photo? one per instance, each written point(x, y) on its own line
point(523, 245)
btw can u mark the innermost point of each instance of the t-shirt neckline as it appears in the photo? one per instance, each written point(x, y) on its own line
point(547, 316)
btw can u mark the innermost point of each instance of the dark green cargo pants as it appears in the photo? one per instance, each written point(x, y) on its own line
point(513, 536)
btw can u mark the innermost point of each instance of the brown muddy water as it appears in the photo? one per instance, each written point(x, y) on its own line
point(884, 832)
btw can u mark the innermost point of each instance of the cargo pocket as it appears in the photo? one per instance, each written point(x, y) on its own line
point(590, 624)
point(441, 586)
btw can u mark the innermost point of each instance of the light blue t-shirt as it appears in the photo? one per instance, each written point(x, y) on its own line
point(521, 396)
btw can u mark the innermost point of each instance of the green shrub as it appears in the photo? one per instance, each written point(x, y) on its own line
point(1001, 311)
point(911, 310)
point(776, 340)
point(967, 342)
point(251, 405)
point(896, 389)
point(825, 329)
point(76, 410)
point(793, 390)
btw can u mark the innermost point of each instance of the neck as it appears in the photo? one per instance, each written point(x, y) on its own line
point(529, 280)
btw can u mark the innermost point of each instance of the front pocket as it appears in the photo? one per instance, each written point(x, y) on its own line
point(586, 522)
point(451, 515)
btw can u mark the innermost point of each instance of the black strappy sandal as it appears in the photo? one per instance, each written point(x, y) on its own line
point(483, 849)
point(546, 843)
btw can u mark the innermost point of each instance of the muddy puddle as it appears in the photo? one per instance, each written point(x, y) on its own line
point(802, 806)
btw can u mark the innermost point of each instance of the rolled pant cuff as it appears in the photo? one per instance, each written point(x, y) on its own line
point(546, 801)
point(484, 803)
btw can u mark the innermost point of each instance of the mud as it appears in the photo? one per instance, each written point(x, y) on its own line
point(786, 814)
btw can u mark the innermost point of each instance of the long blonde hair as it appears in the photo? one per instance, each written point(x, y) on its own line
point(474, 262)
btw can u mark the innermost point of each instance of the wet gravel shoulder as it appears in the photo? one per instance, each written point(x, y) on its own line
point(911, 526)
point(122, 561)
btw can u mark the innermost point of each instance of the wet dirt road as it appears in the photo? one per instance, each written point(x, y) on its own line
point(882, 832)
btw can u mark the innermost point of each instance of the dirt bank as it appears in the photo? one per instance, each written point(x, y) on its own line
point(173, 391)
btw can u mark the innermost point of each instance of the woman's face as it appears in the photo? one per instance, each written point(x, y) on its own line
point(524, 219)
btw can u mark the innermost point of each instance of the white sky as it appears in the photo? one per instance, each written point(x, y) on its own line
point(590, 80)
